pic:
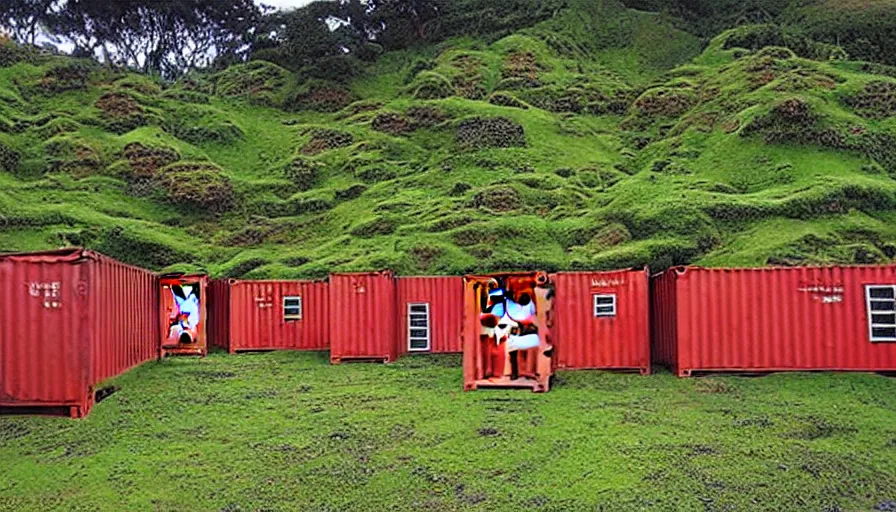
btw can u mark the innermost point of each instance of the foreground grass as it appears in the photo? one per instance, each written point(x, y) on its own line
point(287, 431)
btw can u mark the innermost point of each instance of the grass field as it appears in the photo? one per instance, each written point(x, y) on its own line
point(286, 431)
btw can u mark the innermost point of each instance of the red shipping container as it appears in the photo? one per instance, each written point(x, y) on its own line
point(362, 317)
point(71, 319)
point(183, 315)
point(219, 313)
point(278, 315)
point(430, 314)
point(602, 320)
point(776, 319)
point(507, 331)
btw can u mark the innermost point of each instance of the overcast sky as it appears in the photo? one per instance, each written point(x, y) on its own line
point(284, 4)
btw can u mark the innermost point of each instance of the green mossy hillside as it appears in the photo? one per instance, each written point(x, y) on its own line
point(603, 137)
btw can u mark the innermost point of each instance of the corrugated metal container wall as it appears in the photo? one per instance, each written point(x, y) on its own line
point(70, 319)
point(125, 304)
point(362, 317)
point(774, 319)
point(443, 298)
point(602, 320)
point(279, 315)
point(663, 320)
point(219, 313)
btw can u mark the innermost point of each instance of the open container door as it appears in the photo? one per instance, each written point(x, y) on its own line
point(507, 331)
point(183, 314)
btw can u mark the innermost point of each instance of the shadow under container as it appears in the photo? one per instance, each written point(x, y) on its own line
point(507, 331)
point(363, 317)
point(183, 314)
point(70, 319)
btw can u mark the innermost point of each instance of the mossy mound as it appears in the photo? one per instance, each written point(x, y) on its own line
point(324, 139)
point(493, 132)
point(430, 85)
point(391, 123)
point(877, 100)
point(136, 248)
point(304, 172)
point(259, 81)
point(757, 37)
point(202, 125)
point(146, 161)
point(121, 112)
point(72, 155)
point(196, 186)
point(321, 96)
point(9, 157)
point(68, 75)
point(499, 199)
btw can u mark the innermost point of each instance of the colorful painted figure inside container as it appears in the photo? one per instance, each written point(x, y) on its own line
point(508, 342)
point(183, 315)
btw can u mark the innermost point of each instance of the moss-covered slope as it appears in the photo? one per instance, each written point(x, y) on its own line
point(604, 137)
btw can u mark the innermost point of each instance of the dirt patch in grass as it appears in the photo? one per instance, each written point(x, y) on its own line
point(712, 386)
point(488, 432)
point(813, 428)
point(211, 375)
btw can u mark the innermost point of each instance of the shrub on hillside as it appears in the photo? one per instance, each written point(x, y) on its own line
point(325, 139)
point(322, 96)
point(201, 125)
point(490, 132)
point(146, 161)
point(426, 116)
point(665, 102)
point(756, 37)
point(73, 156)
point(197, 186)
point(57, 126)
point(121, 112)
point(391, 123)
point(877, 100)
point(351, 192)
point(505, 99)
point(9, 157)
point(499, 199)
point(430, 85)
point(73, 74)
point(303, 172)
point(258, 81)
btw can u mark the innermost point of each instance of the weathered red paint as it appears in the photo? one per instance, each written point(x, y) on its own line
point(257, 316)
point(485, 362)
point(172, 348)
point(219, 313)
point(768, 319)
point(445, 298)
point(586, 341)
point(362, 317)
point(70, 319)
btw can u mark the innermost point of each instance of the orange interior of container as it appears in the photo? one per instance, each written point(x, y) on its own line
point(498, 360)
